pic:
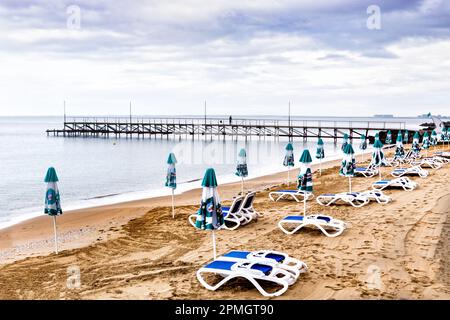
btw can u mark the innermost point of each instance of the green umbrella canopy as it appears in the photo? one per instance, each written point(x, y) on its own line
point(242, 153)
point(389, 132)
point(172, 159)
point(349, 149)
point(378, 144)
point(426, 135)
point(416, 135)
point(51, 175)
point(320, 142)
point(209, 180)
point(289, 147)
point(345, 136)
point(363, 137)
point(434, 133)
point(306, 157)
point(399, 137)
point(377, 135)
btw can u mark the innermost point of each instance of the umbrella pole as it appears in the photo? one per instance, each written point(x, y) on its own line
point(350, 183)
point(56, 236)
point(289, 173)
point(320, 166)
point(173, 205)
point(242, 185)
point(304, 204)
point(214, 244)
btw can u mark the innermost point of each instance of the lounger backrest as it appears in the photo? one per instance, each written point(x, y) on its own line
point(236, 206)
point(248, 203)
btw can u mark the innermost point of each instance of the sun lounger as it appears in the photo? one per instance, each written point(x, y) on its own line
point(277, 259)
point(428, 163)
point(322, 222)
point(353, 198)
point(441, 159)
point(445, 154)
point(252, 271)
point(403, 182)
point(247, 206)
point(409, 156)
point(416, 170)
point(294, 194)
point(376, 195)
point(367, 172)
point(233, 218)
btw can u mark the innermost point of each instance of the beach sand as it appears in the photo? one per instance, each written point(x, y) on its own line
point(136, 250)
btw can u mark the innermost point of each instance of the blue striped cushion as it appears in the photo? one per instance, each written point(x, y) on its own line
point(294, 218)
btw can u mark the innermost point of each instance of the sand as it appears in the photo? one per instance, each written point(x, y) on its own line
point(136, 250)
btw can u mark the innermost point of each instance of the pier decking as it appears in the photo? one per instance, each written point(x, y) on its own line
point(130, 127)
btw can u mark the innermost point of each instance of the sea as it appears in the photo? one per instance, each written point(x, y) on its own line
point(99, 171)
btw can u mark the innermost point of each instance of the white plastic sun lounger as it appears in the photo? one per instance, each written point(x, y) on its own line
point(286, 194)
point(416, 170)
point(247, 206)
point(322, 222)
point(441, 160)
point(428, 163)
point(367, 172)
point(231, 215)
point(252, 271)
point(273, 258)
point(353, 198)
point(403, 182)
point(376, 195)
point(445, 154)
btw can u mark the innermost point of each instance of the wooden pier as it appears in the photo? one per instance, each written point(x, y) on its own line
point(207, 128)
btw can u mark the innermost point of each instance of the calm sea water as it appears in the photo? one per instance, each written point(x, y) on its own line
point(100, 171)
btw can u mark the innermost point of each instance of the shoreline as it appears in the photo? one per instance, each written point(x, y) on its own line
point(34, 236)
point(118, 198)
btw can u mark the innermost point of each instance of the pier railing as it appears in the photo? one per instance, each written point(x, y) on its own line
point(220, 126)
point(309, 123)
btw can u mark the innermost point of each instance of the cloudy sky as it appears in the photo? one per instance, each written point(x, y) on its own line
point(242, 57)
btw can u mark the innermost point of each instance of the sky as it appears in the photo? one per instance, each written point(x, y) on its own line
point(245, 57)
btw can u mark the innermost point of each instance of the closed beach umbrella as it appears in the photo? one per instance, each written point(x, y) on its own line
point(377, 136)
point(415, 143)
point(406, 137)
point(171, 178)
point(378, 155)
point(448, 136)
point(363, 146)
point(289, 159)
point(444, 134)
point(434, 138)
point(348, 164)
point(426, 143)
point(399, 150)
point(344, 141)
point(389, 137)
point(209, 215)
point(241, 168)
point(305, 176)
point(320, 153)
point(52, 200)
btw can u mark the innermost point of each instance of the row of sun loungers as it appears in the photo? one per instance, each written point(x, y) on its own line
point(241, 212)
point(278, 268)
